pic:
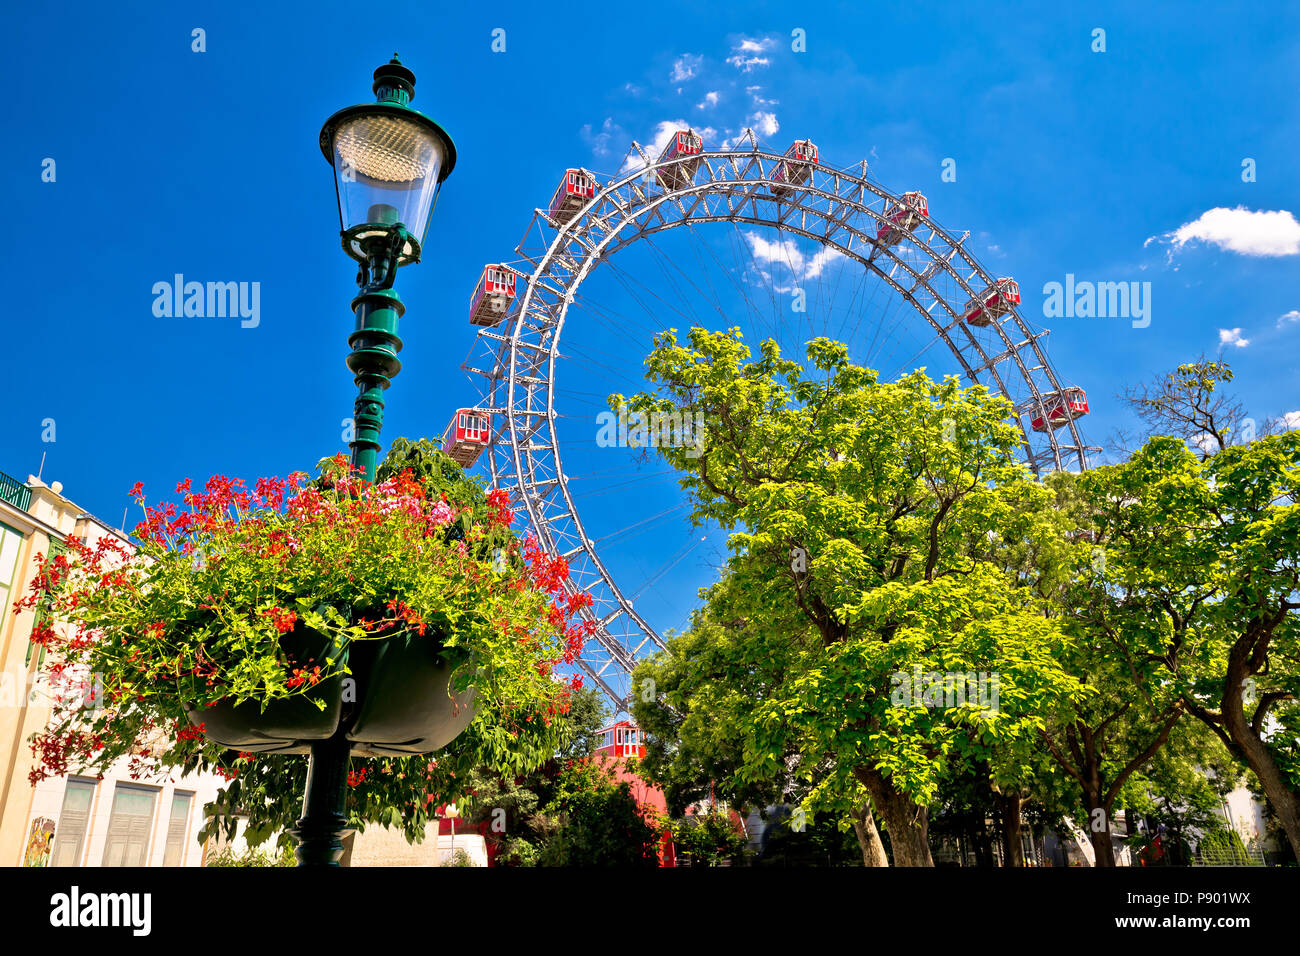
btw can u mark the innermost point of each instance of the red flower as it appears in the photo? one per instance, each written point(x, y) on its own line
point(284, 620)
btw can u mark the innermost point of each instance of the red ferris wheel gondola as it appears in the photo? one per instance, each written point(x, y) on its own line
point(901, 217)
point(467, 436)
point(576, 188)
point(493, 297)
point(1059, 408)
point(795, 168)
point(685, 146)
point(995, 301)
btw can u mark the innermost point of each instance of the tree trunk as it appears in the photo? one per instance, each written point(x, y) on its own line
point(1013, 853)
point(1285, 801)
point(908, 824)
point(864, 825)
point(1103, 851)
point(981, 842)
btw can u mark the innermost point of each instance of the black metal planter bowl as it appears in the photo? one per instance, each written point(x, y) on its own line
point(288, 725)
point(397, 701)
point(406, 703)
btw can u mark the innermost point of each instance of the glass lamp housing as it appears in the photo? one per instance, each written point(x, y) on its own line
point(389, 161)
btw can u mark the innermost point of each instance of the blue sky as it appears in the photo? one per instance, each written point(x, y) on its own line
point(1104, 165)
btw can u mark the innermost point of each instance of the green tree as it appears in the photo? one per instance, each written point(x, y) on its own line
point(861, 513)
point(519, 812)
point(708, 838)
point(1202, 557)
point(601, 823)
point(694, 704)
point(1179, 794)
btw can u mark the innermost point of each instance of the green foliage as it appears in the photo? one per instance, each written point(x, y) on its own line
point(821, 842)
point(710, 838)
point(253, 856)
point(1198, 583)
point(601, 823)
point(520, 812)
point(1224, 847)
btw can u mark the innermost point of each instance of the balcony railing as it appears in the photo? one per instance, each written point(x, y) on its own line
point(15, 492)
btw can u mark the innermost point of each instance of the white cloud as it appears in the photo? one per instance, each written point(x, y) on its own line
point(1292, 316)
point(599, 140)
point(1241, 230)
point(746, 54)
point(788, 253)
point(685, 67)
point(1232, 337)
point(765, 124)
point(1205, 442)
point(1291, 420)
point(785, 251)
point(820, 260)
point(710, 99)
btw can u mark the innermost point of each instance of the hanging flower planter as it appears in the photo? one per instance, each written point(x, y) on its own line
point(335, 612)
point(408, 704)
point(285, 725)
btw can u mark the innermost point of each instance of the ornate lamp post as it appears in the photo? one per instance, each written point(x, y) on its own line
point(389, 161)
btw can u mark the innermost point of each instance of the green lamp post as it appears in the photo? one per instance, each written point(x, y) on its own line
point(389, 162)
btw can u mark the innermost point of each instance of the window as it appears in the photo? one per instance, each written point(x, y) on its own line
point(174, 855)
point(130, 826)
point(10, 544)
point(74, 820)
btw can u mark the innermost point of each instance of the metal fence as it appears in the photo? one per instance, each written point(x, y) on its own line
point(15, 492)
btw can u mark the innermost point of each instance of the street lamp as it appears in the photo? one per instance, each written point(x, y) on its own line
point(389, 162)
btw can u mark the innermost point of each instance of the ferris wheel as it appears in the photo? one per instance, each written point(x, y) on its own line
point(835, 229)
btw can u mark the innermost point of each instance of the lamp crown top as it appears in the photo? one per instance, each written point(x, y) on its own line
point(394, 83)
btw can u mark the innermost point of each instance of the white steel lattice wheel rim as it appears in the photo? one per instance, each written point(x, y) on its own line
point(930, 269)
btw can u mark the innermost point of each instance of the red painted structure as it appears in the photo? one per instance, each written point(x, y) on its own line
point(796, 167)
point(902, 217)
point(621, 740)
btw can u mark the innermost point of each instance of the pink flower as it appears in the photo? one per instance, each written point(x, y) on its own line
point(439, 517)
